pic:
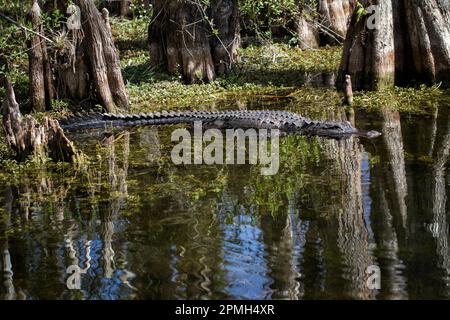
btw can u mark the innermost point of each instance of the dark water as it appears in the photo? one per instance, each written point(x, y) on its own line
point(135, 226)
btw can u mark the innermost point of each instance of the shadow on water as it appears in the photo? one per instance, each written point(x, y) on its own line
point(132, 225)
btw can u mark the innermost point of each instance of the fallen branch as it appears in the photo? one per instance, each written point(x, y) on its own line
point(4, 16)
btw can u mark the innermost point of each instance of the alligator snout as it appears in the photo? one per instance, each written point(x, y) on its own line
point(370, 134)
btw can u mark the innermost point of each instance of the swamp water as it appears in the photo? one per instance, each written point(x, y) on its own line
point(132, 225)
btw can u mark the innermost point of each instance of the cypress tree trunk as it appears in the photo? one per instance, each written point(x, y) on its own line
point(334, 17)
point(89, 65)
point(42, 90)
point(225, 16)
point(103, 57)
point(308, 34)
point(410, 41)
point(194, 40)
point(124, 8)
point(323, 22)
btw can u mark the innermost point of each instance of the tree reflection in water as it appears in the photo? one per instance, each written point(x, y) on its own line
point(139, 227)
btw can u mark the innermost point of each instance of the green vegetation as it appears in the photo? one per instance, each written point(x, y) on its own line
point(260, 15)
point(272, 75)
point(270, 72)
point(274, 70)
point(130, 32)
point(421, 100)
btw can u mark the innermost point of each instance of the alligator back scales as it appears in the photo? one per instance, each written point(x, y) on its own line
point(286, 122)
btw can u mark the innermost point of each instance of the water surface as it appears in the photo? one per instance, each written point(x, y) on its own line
point(137, 226)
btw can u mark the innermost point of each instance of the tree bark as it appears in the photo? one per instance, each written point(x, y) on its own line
point(194, 40)
point(89, 65)
point(334, 19)
point(74, 81)
point(225, 16)
point(42, 90)
point(124, 8)
point(323, 22)
point(28, 138)
point(410, 41)
point(103, 57)
point(308, 34)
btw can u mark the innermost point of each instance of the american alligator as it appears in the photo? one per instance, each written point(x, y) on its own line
point(286, 122)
